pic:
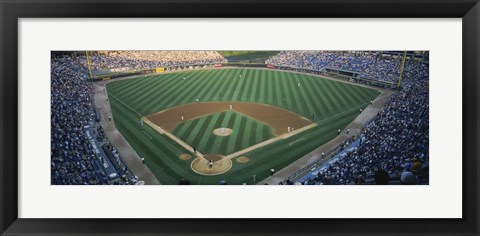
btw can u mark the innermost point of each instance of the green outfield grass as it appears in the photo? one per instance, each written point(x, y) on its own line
point(247, 132)
point(335, 105)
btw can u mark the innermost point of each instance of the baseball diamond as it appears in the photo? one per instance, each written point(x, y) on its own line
point(267, 113)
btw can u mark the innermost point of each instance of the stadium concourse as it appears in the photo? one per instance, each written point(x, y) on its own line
point(391, 149)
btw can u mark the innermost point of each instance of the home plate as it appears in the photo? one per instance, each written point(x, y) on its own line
point(293, 143)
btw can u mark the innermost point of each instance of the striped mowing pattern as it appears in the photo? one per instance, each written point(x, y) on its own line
point(334, 105)
point(246, 132)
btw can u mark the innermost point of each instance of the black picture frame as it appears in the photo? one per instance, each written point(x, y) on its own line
point(11, 11)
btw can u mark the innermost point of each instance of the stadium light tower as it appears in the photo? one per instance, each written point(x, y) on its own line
point(88, 65)
point(401, 69)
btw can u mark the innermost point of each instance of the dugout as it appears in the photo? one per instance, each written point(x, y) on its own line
point(108, 153)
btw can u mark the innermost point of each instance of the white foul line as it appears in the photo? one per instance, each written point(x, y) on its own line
point(292, 143)
point(147, 134)
point(126, 105)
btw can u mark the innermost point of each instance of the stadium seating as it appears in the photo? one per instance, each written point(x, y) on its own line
point(150, 59)
point(368, 65)
point(74, 159)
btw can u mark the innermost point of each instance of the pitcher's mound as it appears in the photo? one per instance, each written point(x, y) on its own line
point(184, 156)
point(222, 131)
point(220, 165)
point(243, 159)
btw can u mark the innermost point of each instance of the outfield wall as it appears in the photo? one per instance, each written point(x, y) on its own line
point(351, 76)
point(156, 70)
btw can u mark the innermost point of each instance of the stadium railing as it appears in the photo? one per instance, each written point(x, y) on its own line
point(320, 161)
point(127, 73)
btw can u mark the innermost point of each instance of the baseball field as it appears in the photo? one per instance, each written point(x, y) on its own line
point(230, 124)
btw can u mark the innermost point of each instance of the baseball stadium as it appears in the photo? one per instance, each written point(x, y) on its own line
point(239, 118)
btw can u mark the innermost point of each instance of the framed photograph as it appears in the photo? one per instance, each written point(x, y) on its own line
point(256, 118)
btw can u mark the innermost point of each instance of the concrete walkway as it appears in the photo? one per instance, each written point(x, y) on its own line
point(127, 153)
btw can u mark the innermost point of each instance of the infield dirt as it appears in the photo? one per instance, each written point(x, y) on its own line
point(277, 118)
point(220, 165)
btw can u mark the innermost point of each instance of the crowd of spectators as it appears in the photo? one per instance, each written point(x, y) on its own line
point(73, 160)
point(369, 65)
point(149, 59)
point(395, 142)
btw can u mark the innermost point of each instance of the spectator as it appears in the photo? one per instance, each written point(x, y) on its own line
point(381, 177)
point(407, 178)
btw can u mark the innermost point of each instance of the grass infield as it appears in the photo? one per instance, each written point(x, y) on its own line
point(246, 132)
point(330, 104)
